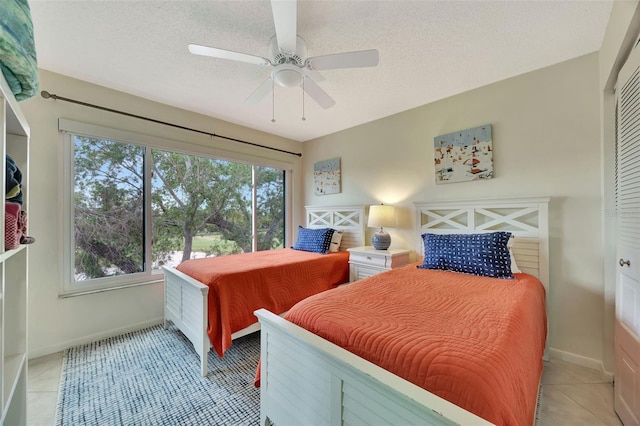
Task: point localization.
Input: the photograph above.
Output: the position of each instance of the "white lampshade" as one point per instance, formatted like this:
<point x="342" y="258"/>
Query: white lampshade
<point x="381" y="216"/>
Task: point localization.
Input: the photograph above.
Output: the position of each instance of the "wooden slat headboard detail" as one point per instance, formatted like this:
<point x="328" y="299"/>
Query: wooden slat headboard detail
<point x="349" y="219"/>
<point x="526" y="218"/>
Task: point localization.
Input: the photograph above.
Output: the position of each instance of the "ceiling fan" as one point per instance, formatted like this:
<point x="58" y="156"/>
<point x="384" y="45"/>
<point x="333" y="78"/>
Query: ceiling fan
<point x="289" y="66"/>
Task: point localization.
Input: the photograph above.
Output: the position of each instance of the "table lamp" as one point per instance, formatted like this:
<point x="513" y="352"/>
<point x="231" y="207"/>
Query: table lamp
<point x="381" y="216"/>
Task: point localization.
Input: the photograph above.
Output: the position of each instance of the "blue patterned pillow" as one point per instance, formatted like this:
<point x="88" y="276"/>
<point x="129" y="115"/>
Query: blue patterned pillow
<point x="479" y="254"/>
<point x="314" y="240"/>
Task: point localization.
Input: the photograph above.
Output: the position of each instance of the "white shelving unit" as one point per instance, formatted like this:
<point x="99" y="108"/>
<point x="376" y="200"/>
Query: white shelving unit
<point x="14" y="141"/>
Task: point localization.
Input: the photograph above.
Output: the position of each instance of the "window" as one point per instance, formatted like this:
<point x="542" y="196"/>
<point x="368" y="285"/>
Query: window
<point x="108" y="223"/>
<point x="135" y="207"/>
<point x="205" y="206"/>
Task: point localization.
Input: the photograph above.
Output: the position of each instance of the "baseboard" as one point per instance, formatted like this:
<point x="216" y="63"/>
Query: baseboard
<point x="583" y="361"/>
<point x="93" y="338"/>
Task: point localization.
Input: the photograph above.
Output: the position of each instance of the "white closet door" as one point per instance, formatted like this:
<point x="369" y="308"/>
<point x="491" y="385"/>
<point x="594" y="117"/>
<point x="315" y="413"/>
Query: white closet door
<point x="627" y="350"/>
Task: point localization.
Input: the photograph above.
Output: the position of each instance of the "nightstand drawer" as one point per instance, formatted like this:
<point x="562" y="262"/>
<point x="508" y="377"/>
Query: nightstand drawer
<point x="370" y="259"/>
<point x="366" y="261"/>
<point x="364" y="272"/>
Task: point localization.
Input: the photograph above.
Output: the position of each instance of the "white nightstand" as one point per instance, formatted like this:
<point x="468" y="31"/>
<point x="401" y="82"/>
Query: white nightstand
<point x="367" y="261"/>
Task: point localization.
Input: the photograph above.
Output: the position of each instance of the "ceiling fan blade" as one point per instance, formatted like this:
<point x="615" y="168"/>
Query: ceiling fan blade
<point x="315" y="75"/>
<point x="362" y="58"/>
<point x="261" y="92"/>
<point x="230" y="55"/>
<point x="285" y="17"/>
<point x="317" y="94"/>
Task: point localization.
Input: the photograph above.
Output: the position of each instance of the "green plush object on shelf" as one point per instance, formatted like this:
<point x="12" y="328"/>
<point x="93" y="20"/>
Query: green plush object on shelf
<point x="18" y="60"/>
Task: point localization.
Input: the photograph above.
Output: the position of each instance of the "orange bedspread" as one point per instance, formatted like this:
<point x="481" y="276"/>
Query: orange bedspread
<point x="474" y="341"/>
<point x="274" y="279"/>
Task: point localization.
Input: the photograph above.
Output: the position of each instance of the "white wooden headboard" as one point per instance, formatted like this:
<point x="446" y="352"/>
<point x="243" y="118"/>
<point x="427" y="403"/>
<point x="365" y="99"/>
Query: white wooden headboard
<point x="526" y="218"/>
<point x="349" y="219"/>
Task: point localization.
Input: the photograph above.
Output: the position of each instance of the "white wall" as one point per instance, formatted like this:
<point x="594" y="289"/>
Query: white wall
<point x="546" y="143"/>
<point x="56" y="323"/>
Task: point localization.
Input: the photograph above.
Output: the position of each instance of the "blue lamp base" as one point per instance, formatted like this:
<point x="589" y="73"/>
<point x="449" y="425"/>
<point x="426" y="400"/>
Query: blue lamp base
<point x="381" y="240"/>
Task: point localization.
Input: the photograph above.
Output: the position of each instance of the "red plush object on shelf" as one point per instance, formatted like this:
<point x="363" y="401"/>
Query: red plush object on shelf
<point x="12" y="226"/>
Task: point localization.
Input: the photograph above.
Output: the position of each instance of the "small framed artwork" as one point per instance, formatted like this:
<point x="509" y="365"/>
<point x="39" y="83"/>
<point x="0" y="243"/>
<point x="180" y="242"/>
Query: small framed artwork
<point x="464" y="155"/>
<point x="326" y="177"/>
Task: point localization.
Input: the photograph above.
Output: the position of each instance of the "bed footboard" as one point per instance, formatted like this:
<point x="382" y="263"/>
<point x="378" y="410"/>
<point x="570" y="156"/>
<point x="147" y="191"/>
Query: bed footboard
<point x="308" y="380"/>
<point x="185" y="304"/>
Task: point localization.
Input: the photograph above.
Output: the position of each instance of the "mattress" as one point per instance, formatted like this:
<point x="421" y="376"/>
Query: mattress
<point x="474" y="341"/>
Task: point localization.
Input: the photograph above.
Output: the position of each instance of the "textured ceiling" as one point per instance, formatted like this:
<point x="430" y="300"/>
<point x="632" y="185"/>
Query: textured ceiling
<point x="429" y="50"/>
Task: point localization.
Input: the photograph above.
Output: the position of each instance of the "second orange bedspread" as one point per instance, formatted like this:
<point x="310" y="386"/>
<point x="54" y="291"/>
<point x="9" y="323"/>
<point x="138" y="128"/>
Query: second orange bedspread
<point x="474" y="341"/>
<point x="272" y="279"/>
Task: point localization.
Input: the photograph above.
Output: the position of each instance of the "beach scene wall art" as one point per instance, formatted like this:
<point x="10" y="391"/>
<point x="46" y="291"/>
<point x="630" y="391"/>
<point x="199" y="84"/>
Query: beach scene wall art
<point x="464" y="155"/>
<point x="326" y="177"/>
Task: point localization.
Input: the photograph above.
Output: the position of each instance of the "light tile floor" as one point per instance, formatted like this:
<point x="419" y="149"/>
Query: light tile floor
<point x="571" y="395"/>
<point x="43" y="383"/>
<point x="574" y="395"/>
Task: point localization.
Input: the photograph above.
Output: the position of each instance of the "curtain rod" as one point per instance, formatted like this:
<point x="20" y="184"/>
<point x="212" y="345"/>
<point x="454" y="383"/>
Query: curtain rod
<point x="48" y="95"/>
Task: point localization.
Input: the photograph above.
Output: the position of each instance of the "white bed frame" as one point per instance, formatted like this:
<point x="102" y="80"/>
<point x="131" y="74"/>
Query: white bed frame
<point x="308" y="380"/>
<point x="185" y="298"/>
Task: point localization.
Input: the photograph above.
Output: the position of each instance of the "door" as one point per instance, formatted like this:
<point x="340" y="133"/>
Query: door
<point x="627" y="329"/>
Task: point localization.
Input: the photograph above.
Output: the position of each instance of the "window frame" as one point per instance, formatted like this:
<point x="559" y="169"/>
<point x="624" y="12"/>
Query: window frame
<point x="69" y="128"/>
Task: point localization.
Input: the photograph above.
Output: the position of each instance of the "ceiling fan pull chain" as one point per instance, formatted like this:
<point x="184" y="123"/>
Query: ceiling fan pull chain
<point x="273" y="102"/>
<point x="303" y="117"/>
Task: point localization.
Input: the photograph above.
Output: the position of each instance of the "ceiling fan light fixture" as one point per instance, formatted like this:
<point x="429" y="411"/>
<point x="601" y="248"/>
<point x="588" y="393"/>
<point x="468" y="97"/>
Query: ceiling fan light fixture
<point x="287" y="75"/>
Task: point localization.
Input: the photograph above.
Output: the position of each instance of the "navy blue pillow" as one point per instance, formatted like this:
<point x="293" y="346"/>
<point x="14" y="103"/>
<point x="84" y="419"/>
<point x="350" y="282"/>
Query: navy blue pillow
<point x="479" y="254"/>
<point x="314" y="240"/>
